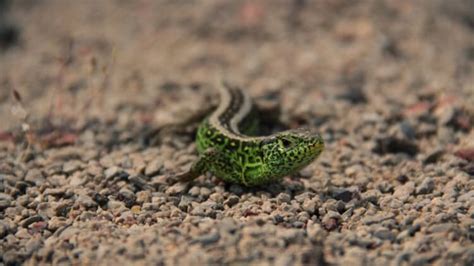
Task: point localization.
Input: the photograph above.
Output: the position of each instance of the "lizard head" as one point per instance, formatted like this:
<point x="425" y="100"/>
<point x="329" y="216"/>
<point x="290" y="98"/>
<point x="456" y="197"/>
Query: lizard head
<point x="291" y="150"/>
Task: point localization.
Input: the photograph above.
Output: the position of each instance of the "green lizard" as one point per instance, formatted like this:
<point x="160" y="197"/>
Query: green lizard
<point x="249" y="160"/>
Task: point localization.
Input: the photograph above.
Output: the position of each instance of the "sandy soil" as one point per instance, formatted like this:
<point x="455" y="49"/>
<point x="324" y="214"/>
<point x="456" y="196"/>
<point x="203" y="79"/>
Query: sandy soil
<point x="87" y="87"/>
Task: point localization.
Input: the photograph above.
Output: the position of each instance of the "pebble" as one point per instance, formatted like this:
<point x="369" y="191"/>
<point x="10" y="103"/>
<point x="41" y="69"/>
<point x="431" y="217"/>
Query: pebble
<point x="184" y="203"/>
<point x="384" y="234"/>
<point x="194" y="191"/>
<point x="177" y="188"/>
<point x="433" y="156"/>
<point x="143" y="196"/>
<point x="205" y="209"/>
<point x="154" y="167"/>
<point x="127" y="196"/>
<point x="32" y="219"/>
<point x="231" y="200"/>
<point x="77" y="180"/>
<point x="309" y="206"/>
<point x="426" y="186"/>
<point x="344" y="195"/>
<point x="442" y="228"/>
<point x="283" y="197"/>
<point x="377" y="218"/>
<point x="71" y="166"/>
<point x="111" y="172"/>
<point x="5" y="201"/>
<point x="55" y="191"/>
<point x="116" y="206"/>
<point x="35" y="176"/>
<point x="86" y="201"/>
<point x="207" y="238"/>
<point x="405" y="191"/>
<point x="56" y="222"/>
<point x="3" y="229"/>
<point x="205" y="192"/>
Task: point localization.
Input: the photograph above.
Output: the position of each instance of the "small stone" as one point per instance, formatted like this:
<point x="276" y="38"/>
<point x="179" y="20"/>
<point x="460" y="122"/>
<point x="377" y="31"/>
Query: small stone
<point x="56" y="222"/>
<point x="177" y="188"/>
<point x="315" y="231"/>
<point x="71" y="166"/>
<point x="309" y="206"/>
<point x="184" y="203"/>
<point x="433" y="156"/>
<point x="54" y="169"/>
<point x="77" y="179"/>
<point x="377" y="218"/>
<point x="194" y="191"/>
<point x="404" y="192"/>
<point x="143" y="196"/>
<point x="446" y="114"/>
<point x="153" y="206"/>
<point x="100" y="199"/>
<point x="231" y="200"/>
<point x="205" y="209"/>
<point x="127" y="196"/>
<point x="402" y="179"/>
<point x="63" y="209"/>
<point x="32" y="245"/>
<point x="86" y="201"/>
<point x="140" y="182"/>
<point x="55" y="191"/>
<point x="330" y="220"/>
<point x="355" y="256"/>
<point x="111" y="172"/>
<point x="353" y="170"/>
<point x="405" y="234"/>
<point x="93" y="169"/>
<point x="159" y="180"/>
<point x="384" y="234"/>
<point x="204" y="191"/>
<point x="3" y="229"/>
<point x="442" y="228"/>
<point x="407" y="130"/>
<point x="32" y="219"/>
<point x="5" y="201"/>
<point x="466" y="154"/>
<point x="217" y="197"/>
<point x="344" y="195"/>
<point x="154" y="167"/>
<point x="306" y="172"/>
<point x="330" y="224"/>
<point x="385" y="187"/>
<point x="396" y="145"/>
<point x="22" y="233"/>
<point x="424" y="258"/>
<point x="136" y="209"/>
<point x="12" y="257"/>
<point x="283" y="197"/>
<point x="35" y="176"/>
<point x="426" y="186"/>
<point x="228" y="226"/>
<point x="207" y="238"/>
<point x="115" y="205"/>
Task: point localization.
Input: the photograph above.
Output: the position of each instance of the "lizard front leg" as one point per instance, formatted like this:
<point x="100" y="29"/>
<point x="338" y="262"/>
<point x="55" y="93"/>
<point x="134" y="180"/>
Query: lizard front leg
<point x="200" y="166"/>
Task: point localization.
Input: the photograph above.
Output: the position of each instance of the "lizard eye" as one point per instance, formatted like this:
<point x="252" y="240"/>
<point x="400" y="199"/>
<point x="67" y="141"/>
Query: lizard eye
<point x="286" y="143"/>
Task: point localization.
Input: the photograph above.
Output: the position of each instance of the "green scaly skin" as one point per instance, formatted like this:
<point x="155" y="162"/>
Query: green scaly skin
<point x="251" y="161"/>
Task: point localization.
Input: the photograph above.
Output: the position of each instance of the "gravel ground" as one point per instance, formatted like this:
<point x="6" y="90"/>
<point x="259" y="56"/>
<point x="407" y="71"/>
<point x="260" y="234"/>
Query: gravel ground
<point x="96" y="99"/>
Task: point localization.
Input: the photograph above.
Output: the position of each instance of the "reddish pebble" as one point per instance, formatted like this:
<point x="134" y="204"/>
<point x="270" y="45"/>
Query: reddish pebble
<point x="466" y="154"/>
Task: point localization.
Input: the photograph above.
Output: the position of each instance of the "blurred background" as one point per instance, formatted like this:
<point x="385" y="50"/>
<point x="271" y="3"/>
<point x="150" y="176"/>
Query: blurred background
<point x="92" y="57"/>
